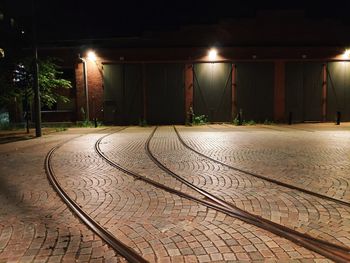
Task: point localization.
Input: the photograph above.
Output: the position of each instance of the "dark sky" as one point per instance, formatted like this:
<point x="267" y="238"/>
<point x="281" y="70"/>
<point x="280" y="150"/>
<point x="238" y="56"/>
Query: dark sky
<point x="74" y="19"/>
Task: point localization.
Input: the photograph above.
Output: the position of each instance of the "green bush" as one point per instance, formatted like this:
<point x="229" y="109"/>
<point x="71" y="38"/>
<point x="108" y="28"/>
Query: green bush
<point x="143" y="123"/>
<point x="88" y="124"/>
<point x="251" y="122"/>
<point x="235" y="121"/>
<point x="267" y="122"/>
<point x="200" y="120"/>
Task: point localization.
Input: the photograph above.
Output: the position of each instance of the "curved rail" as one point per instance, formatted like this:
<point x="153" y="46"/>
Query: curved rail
<point x="329" y="250"/>
<point x="127" y="252"/>
<point x="290" y="186"/>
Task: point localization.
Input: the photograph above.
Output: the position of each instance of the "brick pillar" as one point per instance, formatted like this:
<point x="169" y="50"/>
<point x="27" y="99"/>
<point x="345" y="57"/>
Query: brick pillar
<point x="234" y="111"/>
<point x="95" y="87"/>
<point x="279" y="91"/>
<point x="324" y="92"/>
<point x="188" y="89"/>
<point x="80" y="93"/>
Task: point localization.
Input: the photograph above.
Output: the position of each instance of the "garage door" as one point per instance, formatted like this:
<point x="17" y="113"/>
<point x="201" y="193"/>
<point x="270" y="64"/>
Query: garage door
<point x="304" y="91"/>
<point x="338" y="90"/>
<point x="123" y="94"/>
<point x="212" y="91"/>
<point x="165" y="97"/>
<point x="255" y="84"/>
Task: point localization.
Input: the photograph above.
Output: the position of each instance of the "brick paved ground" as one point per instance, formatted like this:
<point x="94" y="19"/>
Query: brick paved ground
<point x="314" y="216"/>
<point x="162" y="227"/>
<point x="35" y="225"/>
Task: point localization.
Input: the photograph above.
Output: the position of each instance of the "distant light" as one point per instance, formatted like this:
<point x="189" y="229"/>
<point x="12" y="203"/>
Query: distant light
<point x="22" y="31"/>
<point x="347" y="53"/>
<point x="91" y="55"/>
<point x="2" y="53"/>
<point x="212" y="54"/>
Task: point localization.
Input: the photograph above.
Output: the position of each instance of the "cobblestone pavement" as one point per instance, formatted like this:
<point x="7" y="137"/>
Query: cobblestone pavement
<point x="133" y="140"/>
<point x="35" y="225"/>
<point x="305" y="213"/>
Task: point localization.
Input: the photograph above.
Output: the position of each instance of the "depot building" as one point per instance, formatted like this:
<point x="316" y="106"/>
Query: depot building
<point x="276" y="67"/>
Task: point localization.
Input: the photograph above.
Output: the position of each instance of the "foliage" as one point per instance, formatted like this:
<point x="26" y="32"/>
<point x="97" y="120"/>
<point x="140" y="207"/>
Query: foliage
<point x="251" y="122"/>
<point x="16" y="81"/>
<point x="88" y="124"/>
<point x="59" y="129"/>
<point x="50" y="82"/>
<point x="235" y="121"/>
<point x="143" y="122"/>
<point x="244" y="122"/>
<point x="200" y="120"/>
<point x="267" y="122"/>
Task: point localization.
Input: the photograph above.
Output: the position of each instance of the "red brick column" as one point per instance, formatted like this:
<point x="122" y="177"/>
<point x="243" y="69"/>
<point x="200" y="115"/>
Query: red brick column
<point x="80" y="93"/>
<point x="95" y="87"/>
<point x="279" y="91"/>
<point x="188" y="88"/>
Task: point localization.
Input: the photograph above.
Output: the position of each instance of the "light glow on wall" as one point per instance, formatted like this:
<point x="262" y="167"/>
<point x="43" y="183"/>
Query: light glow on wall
<point x="91" y="55"/>
<point x="346" y="54"/>
<point x="212" y="54"/>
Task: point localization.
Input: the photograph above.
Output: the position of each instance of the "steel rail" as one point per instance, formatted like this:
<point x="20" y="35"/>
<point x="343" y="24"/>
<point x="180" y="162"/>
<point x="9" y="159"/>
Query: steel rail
<point x="122" y="249"/>
<point x="290" y="186"/>
<point x="332" y="251"/>
<point x="329" y="250"/>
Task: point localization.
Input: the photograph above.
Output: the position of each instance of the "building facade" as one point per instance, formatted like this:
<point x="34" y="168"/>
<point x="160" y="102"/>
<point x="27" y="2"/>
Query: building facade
<point x="276" y="67"/>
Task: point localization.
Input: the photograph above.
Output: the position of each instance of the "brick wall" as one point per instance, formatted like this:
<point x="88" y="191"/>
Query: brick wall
<point x="95" y="87"/>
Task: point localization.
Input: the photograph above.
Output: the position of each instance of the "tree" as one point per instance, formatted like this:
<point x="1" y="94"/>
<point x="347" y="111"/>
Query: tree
<point x="16" y="82"/>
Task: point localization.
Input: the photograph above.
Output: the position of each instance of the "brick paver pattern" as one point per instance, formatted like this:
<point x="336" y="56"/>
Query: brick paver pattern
<point x="35" y="225"/>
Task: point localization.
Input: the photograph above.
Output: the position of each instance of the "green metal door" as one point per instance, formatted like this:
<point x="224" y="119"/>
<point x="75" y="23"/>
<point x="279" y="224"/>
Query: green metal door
<point x="255" y="87"/>
<point x="304" y="90"/>
<point x="122" y="93"/>
<point x="164" y="84"/>
<point x="212" y="91"/>
<point x="338" y="90"/>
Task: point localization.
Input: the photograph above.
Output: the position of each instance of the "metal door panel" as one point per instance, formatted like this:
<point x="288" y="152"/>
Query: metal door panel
<point x="165" y="93"/>
<point x="212" y="91"/>
<point x="255" y="87"/>
<point x="338" y="90"/>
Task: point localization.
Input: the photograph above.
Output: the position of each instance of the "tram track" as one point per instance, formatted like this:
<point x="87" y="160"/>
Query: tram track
<point x="267" y="179"/>
<point x="332" y="251"/>
<point x="122" y="249"/>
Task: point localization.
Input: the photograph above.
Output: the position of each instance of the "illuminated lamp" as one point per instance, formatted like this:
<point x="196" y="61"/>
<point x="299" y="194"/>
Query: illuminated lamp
<point x="212" y="54"/>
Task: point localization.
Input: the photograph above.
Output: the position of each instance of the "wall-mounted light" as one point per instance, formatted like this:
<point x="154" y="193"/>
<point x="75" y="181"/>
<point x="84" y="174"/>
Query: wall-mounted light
<point x="346" y="54"/>
<point x="91" y="55"/>
<point x="212" y="54"/>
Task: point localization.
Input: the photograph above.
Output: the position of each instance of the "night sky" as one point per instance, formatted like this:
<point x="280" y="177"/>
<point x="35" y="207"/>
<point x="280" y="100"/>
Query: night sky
<point x="78" y="19"/>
